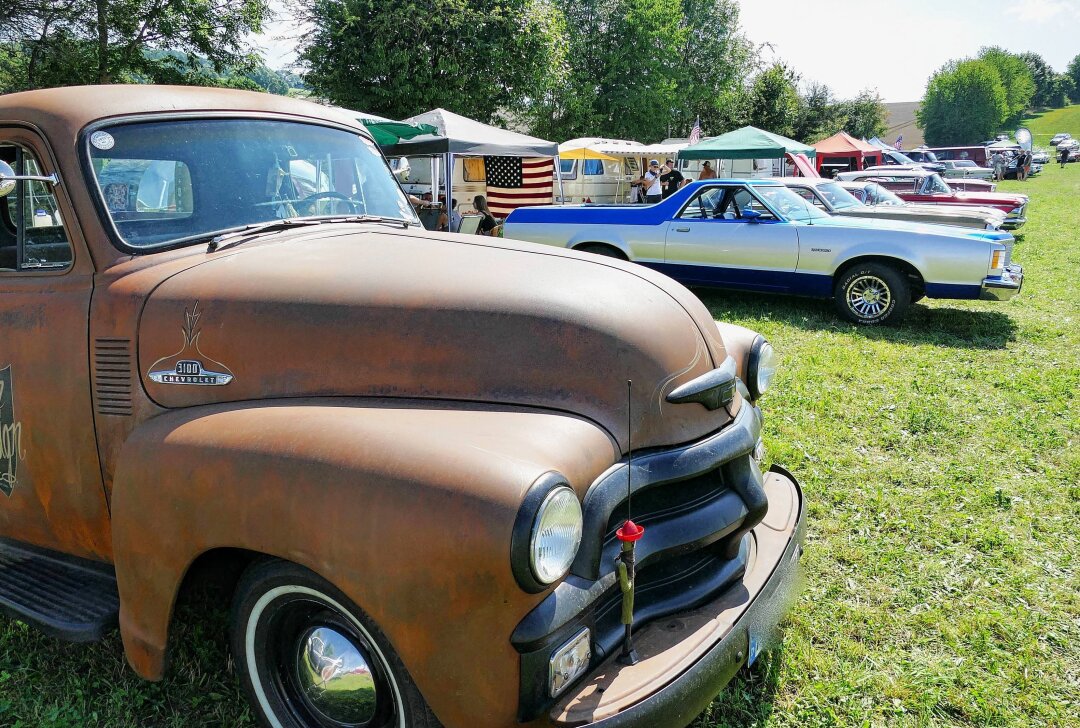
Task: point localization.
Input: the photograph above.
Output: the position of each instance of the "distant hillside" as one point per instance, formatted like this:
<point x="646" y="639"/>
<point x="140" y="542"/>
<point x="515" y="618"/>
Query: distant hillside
<point x="1048" y="123"/>
<point x="901" y="120"/>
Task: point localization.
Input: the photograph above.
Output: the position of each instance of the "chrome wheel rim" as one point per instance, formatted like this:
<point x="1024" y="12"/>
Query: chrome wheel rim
<point x="334" y="676"/>
<point x="868" y="296"/>
<point x="311" y="663"/>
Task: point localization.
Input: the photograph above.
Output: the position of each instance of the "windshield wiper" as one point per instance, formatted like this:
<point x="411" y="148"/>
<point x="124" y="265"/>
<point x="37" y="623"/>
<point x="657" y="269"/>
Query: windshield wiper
<point x="290" y="222"/>
<point x="256" y="228"/>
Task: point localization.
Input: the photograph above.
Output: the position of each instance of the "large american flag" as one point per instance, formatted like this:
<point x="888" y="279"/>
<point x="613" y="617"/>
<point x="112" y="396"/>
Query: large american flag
<point x="695" y="133"/>
<point x="514" y="182"/>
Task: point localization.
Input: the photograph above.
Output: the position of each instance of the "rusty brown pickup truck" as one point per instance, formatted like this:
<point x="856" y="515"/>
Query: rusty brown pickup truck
<point x="226" y="340"/>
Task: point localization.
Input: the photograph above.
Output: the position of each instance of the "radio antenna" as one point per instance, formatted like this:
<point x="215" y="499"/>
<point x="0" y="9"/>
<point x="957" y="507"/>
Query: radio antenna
<point x="629" y="445"/>
<point x="628" y="536"/>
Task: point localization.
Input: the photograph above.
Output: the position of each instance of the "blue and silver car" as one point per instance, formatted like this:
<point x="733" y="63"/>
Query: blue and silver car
<point x="758" y="235"/>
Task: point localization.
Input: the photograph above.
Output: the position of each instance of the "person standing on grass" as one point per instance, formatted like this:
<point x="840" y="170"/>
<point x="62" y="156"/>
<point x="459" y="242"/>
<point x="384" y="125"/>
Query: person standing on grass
<point x="707" y="171"/>
<point x="998" y="163"/>
<point x="653" y="191"/>
<point x="1064" y="156"/>
<point x="672" y="179"/>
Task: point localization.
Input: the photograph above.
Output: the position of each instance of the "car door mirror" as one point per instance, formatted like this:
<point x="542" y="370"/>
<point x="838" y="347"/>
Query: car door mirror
<point x="750" y="215"/>
<point x="8" y="178"/>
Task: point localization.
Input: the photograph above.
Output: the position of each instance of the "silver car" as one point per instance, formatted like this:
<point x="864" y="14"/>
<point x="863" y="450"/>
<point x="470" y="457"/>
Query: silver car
<point x="965" y="169"/>
<point x="758" y="235"/>
<point x="871" y="200"/>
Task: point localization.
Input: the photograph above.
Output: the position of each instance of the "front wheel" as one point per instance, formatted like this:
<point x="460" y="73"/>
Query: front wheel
<point x="872" y="293"/>
<point x="309" y="658"/>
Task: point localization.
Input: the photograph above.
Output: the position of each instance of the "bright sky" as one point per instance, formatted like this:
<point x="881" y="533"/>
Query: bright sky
<point x="890" y="45"/>
<point x="894" y="46"/>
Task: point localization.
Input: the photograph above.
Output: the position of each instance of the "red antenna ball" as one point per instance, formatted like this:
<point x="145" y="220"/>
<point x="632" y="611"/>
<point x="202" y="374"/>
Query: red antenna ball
<point x="630" y="532"/>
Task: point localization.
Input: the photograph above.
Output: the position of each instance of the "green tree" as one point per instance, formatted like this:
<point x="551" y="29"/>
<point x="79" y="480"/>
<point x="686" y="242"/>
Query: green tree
<point x="774" y="100"/>
<point x="817" y="117"/>
<point x="1063" y="90"/>
<point x="402" y="57"/>
<point x="1073" y="72"/>
<point x="1016" y="79"/>
<point x="714" y="59"/>
<point x="1042" y="75"/>
<point x="863" y="116"/>
<point x="964" y="102"/>
<point x="66" y="42"/>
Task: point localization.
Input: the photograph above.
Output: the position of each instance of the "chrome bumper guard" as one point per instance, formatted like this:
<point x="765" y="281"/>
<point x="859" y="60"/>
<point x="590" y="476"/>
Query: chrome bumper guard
<point x="1005" y="287"/>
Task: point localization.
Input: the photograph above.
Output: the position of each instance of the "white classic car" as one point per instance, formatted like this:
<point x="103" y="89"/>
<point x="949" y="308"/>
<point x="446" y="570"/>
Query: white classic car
<point x="759" y="235"/>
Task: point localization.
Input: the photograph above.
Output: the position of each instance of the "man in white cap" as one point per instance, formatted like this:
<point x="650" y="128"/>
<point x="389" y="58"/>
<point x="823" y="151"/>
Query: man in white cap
<point x="653" y="191"/>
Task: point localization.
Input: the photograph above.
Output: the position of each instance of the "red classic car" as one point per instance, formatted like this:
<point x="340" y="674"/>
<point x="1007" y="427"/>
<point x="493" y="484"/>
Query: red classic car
<point x="914" y="185"/>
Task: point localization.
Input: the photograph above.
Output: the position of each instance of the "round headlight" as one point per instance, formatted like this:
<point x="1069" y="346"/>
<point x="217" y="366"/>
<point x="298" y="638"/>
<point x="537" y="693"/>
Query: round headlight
<point x="762" y="367"/>
<point x="556" y="535"/>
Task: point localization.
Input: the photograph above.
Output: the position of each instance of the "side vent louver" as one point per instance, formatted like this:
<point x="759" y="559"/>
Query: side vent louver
<point x="112" y="380"/>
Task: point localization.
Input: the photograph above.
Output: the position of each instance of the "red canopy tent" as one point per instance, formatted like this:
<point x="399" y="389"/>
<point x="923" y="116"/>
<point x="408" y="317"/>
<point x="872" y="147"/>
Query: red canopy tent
<point x="843" y="152"/>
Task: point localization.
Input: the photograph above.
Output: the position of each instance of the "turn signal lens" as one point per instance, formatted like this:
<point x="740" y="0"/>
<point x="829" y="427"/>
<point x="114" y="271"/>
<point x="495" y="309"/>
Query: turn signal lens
<point x="997" y="259"/>
<point x="569" y="662"/>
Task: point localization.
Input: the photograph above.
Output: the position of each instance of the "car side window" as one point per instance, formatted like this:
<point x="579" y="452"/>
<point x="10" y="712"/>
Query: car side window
<point x="32" y="235"/>
<point x="746" y="201"/>
<point x="708" y="204"/>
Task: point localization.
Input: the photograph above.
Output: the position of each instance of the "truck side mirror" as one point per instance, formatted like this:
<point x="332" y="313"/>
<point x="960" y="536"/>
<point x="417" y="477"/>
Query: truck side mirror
<point x="8" y="178"/>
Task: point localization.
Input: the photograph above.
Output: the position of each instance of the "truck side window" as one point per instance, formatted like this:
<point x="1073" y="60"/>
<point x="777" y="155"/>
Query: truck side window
<point x="32" y="235"/>
<point x="705" y="205"/>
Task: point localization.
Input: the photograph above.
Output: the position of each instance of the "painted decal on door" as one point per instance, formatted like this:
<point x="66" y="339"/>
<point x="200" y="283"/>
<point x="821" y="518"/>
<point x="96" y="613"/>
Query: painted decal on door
<point x="11" y="452"/>
<point x="190" y="365"/>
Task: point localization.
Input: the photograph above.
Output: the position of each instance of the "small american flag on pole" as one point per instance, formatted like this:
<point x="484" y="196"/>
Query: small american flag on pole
<point x="514" y="182"/>
<point x="899" y="142"/>
<point x="695" y="133"/>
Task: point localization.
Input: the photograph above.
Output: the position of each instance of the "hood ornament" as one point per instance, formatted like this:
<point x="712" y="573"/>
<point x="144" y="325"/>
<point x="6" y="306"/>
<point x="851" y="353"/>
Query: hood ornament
<point x="190" y="365"/>
<point x="628" y="534"/>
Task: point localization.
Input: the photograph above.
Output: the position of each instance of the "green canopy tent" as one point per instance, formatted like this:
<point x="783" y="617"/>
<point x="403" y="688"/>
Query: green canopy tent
<point x="746" y="143"/>
<point x="387" y="132"/>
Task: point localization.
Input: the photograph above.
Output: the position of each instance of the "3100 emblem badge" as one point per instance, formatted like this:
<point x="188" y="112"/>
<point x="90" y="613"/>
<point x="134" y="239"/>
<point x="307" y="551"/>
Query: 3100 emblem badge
<point x="10" y="435"/>
<point x="190" y="365"/>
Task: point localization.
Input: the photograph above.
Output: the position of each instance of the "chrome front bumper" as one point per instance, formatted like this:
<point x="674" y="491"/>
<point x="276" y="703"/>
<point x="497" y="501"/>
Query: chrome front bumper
<point x="687" y="658"/>
<point x="1005" y="287"/>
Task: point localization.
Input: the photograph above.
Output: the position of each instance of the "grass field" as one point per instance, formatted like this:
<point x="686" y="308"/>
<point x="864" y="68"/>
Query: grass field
<point x="941" y="464"/>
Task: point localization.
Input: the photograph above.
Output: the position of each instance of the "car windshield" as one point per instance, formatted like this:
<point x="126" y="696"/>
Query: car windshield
<point x="964" y="163"/>
<point x="933" y="185"/>
<point x="837" y="196"/>
<point x="929" y="156"/>
<point x="788" y="204"/>
<point x="881" y="196"/>
<point x="169" y="182"/>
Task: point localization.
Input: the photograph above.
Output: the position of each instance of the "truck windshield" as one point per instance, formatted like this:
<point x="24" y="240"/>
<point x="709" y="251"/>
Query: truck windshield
<point x="168" y="182"/>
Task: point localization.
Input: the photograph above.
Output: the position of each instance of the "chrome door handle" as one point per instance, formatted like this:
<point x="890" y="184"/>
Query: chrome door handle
<point x="682" y="229"/>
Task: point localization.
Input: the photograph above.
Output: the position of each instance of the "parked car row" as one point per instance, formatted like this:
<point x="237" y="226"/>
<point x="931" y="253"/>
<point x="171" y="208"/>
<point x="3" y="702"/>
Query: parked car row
<point x="760" y="235"/>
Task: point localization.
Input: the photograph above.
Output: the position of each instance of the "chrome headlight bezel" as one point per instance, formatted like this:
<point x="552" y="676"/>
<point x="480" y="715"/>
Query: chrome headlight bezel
<point x="760" y="367"/>
<point x="549" y="491"/>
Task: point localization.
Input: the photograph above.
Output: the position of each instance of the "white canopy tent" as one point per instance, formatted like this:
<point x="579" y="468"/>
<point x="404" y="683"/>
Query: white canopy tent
<point x="461" y="136"/>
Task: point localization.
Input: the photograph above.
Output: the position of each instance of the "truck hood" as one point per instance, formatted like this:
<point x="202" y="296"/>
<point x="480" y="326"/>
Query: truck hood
<point x="358" y="310"/>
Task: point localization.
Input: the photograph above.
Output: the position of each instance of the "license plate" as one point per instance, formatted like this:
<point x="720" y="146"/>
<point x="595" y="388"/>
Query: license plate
<point x="756" y="643"/>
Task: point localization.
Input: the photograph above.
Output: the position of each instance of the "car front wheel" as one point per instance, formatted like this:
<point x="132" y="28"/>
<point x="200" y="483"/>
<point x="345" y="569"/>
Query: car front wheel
<point x="872" y="293"/>
<point x="309" y="658"/>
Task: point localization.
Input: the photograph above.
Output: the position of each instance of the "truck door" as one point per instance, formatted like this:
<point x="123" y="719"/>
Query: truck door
<point x="51" y="492"/>
<point x="710" y="242"/>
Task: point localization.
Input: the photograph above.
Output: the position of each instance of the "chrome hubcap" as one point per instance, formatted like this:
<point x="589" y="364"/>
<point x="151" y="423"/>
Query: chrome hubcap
<point x="334" y="676"/>
<point x="868" y="296"/>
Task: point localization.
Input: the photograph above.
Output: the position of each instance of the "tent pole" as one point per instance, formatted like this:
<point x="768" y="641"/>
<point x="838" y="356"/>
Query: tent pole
<point x="449" y="187"/>
<point x="558" y="176"/>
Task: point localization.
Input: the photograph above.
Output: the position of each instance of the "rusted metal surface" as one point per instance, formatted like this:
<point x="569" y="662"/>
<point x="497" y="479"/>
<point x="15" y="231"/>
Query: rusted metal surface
<point x="407" y="509"/>
<point x="393" y="395"/>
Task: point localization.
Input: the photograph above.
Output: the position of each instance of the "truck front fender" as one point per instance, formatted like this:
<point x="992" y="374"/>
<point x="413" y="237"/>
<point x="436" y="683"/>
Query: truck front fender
<point x="407" y="507"/>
